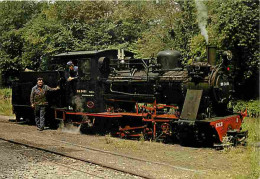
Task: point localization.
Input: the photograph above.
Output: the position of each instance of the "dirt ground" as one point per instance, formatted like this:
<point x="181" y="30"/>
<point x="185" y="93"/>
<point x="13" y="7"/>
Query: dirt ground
<point x="177" y="161"/>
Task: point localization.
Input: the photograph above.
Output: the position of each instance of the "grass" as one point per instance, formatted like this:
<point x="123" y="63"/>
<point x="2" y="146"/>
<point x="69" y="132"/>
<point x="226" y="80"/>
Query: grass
<point x="121" y="143"/>
<point x="248" y="157"/>
<point x="253" y="151"/>
<point x="252" y="125"/>
<point x="5" y="102"/>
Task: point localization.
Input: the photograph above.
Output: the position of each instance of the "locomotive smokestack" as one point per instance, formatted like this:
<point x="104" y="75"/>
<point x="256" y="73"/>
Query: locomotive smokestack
<point x="212" y="54"/>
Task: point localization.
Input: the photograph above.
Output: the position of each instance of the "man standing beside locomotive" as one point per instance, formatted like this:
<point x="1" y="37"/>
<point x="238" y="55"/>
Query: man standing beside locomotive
<point x="39" y="102"/>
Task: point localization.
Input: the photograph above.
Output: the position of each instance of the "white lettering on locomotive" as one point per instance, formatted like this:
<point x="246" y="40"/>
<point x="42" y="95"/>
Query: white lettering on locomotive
<point x="81" y="91"/>
<point x="224" y="83"/>
<point x="88" y="95"/>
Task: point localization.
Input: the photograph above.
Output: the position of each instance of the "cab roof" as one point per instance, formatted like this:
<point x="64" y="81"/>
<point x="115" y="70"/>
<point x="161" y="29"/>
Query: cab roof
<point x="80" y="54"/>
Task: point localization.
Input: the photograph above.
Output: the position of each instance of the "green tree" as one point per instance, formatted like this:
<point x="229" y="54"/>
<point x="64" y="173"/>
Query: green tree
<point x="172" y="24"/>
<point x="235" y="26"/>
<point x="13" y="16"/>
<point x="31" y="32"/>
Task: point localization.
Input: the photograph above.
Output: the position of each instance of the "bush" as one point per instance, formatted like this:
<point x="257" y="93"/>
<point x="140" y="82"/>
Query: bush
<point x="252" y="106"/>
<point x="5" y="101"/>
<point x="5" y="93"/>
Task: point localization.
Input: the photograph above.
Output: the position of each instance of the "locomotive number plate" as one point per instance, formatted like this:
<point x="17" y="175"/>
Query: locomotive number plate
<point x="224" y="84"/>
<point x="220" y="124"/>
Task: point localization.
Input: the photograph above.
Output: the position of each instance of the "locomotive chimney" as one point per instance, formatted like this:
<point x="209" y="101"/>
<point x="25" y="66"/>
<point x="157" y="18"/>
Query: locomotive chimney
<point x="212" y="54"/>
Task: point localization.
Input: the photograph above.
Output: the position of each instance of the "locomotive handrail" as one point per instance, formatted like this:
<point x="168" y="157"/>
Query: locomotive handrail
<point x="131" y="94"/>
<point x="159" y="106"/>
<point x="22" y="105"/>
<point x="133" y="72"/>
<point x="163" y="70"/>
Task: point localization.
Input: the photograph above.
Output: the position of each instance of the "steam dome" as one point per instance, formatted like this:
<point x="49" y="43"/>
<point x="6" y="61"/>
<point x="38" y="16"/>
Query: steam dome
<point x="169" y="59"/>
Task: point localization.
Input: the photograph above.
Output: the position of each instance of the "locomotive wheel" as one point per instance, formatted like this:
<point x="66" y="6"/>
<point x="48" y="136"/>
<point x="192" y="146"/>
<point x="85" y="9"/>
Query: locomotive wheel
<point x="167" y="140"/>
<point x="145" y="133"/>
<point x="86" y="129"/>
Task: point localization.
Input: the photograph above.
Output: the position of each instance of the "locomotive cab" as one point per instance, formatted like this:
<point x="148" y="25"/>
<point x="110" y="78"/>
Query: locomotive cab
<point x="86" y="94"/>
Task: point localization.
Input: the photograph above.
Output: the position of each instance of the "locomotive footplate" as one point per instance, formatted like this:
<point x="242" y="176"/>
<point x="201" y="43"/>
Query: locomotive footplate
<point x="64" y="112"/>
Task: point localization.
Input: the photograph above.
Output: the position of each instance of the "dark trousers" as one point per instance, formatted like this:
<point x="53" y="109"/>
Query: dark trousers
<point x="39" y="114"/>
<point x="71" y="91"/>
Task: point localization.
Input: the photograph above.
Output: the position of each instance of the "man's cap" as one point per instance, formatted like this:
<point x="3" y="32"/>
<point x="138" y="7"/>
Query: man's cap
<point x="70" y="63"/>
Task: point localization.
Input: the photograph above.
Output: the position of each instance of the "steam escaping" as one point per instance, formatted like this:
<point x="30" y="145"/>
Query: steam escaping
<point x="77" y="102"/>
<point x="69" y="128"/>
<point x="202" y="16"/>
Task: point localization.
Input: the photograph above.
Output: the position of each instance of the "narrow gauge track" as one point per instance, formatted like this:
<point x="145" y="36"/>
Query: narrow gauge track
<point x="66" y="156"/>
<point x="106" y="152"/>
<point x="127" y="156"/>
<point x="46" y="158"/>
<point x="109" y="166"/>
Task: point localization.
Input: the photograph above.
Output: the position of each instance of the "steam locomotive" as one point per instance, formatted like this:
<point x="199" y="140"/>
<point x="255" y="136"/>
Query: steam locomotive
<point x="157" y="99"/>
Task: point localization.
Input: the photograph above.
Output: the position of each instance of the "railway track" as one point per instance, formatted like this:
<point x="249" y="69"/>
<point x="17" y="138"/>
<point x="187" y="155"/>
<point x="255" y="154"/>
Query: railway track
<point x="69" y="167"/>
<point x="48" y="158"/>
<point x="75" y="158"/>
<point x="134" y="166"/>
<point x="106" y="152"/>
<point x="127" y="156"/>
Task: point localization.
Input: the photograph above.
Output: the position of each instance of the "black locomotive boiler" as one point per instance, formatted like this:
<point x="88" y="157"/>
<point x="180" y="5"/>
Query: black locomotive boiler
<point x="157" y="98"/>
<point x="186" y="102"/>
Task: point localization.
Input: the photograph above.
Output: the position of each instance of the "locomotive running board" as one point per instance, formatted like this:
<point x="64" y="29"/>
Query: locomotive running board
<point x="191" y="105"/>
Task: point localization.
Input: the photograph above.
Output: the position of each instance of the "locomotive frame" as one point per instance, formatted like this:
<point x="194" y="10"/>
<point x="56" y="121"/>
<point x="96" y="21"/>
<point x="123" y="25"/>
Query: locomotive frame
<point x="130" y="98"/>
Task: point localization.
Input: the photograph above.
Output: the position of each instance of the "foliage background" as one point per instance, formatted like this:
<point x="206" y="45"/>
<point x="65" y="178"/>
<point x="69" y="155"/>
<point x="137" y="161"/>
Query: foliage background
<point x="31" y="32"/>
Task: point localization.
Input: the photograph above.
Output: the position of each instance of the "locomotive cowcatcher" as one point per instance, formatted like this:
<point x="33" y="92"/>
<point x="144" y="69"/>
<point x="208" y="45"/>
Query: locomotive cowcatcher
<point x="155" y="98"/>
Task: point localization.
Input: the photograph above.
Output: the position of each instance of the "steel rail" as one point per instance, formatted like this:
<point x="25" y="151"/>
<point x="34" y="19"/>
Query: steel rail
<point x="72" y="168"/>
<point x="124" y="156"/>
<point x="77" y="158"/>
<point x="111" y="153"/>
<point x="57" y="163"/>
<point x="127" y="156"/>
